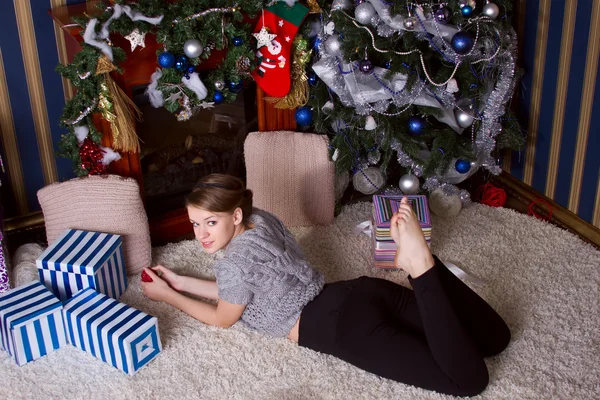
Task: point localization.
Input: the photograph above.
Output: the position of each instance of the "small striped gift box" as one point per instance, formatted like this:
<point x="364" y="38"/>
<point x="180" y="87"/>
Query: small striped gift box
<point x="31" y="321"/>
<point x="111" y="331"/>
<point x="80" y="259"/>
<point x="384" y="207"/>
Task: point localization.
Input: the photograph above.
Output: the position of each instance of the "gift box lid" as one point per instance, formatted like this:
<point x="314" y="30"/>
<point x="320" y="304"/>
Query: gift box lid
<point x="26" y="303"/>
<point x="384" y="207"/>
<point x="79" y="252"/>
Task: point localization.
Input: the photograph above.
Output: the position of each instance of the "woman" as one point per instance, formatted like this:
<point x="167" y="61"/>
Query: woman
<point x="434" y="336"/>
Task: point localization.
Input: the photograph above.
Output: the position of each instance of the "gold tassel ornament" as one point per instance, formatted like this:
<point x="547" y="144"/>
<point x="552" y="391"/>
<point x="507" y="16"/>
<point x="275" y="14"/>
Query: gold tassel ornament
<point x="314" y="7"/>
<point x="118" y="109"/>
<point x="298" y="95"/>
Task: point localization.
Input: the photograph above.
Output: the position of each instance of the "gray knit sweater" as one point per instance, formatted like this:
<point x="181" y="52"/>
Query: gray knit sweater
<point x="265" y="269"/>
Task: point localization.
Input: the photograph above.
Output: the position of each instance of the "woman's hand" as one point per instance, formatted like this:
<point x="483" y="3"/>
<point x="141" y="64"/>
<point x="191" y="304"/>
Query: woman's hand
<point x="158" y="289"/>
<point x="174" y="280"/>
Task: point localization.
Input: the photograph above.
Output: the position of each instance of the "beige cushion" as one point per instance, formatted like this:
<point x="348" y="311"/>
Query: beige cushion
<point x="110" y="204"/>
<point x="291" y="176"/>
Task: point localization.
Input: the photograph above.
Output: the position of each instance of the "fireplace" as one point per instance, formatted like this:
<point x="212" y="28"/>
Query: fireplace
<point x="176" y="154"/>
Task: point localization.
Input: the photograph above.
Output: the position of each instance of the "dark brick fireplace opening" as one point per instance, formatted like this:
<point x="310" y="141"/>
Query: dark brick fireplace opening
<point x="176" y="154"/>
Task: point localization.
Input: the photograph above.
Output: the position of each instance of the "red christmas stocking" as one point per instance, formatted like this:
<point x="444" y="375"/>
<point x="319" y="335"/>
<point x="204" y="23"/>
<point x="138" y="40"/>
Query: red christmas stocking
<point x="274" y="33"/>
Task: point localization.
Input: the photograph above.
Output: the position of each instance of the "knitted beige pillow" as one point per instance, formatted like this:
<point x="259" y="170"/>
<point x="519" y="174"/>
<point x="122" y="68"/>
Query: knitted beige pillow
<point x="291" y="176"/>
<point x="110" y="204"/>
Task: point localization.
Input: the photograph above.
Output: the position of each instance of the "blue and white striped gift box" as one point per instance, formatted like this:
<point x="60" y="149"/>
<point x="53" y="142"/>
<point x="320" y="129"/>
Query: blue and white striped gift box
<point x="111" y="331"/>
<point x="31" y="321"/>
<point x="80" y="259"/>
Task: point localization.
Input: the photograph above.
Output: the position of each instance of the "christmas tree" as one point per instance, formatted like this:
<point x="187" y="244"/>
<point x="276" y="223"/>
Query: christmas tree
<point x="424" y="86"/>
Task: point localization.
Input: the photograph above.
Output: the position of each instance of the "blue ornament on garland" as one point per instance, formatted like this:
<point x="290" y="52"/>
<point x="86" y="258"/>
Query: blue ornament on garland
<point x="462" y="166"/>
<point x="462" y="42"/>
<point x="181" y="63"/>
<point x="312" y="79"/>
<point x="235" y="87"/>
<point x="388" y="65"/>
<point x="317" y="44"/>
<point x="416" y="126"/>
<point x="466" y="11"/>
<point x="237" y="41"/>
<point x="304" y="116"/>
<point x="166" y="59"/>
<point x="219" y="97"/>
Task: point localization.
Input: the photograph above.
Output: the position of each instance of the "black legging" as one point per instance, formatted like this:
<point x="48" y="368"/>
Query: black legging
<point x="434" y="336"/>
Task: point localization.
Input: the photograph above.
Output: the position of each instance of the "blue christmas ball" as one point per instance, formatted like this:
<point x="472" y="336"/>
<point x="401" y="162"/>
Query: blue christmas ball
<point x="462" y="42"/>
<point x="219" y="97"/>
<point x="466" y="11"/>
<point x="312" y="79"/>
<point x="388" y="64"/>
<point x="181" y="63"/>
<point x="416" y="125"/>
<point x="304" y="116"/>
<point x="235" y="87"/>
<point x="237" y="41"/>
<point x="462" y="166"/>
<point x="317" y="44"/>
<point x="191" y="69"/>
<point x="166" y="59"/>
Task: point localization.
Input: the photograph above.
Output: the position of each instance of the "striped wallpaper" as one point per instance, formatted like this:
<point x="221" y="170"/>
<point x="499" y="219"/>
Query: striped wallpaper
<point x="32" y="97"/>
<point x="559" y="101"/>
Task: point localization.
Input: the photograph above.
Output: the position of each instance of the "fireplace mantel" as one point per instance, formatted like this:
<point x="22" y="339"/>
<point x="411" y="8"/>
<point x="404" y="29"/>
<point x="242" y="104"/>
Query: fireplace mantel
<point x="137" y="69"/>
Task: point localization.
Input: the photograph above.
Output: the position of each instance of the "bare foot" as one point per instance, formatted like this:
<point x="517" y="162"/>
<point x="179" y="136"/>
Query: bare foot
<point x="413" y="254"/>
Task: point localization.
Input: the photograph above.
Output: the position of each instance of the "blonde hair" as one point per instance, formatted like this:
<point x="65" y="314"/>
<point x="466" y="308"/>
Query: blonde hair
<point x="221" y="193"/>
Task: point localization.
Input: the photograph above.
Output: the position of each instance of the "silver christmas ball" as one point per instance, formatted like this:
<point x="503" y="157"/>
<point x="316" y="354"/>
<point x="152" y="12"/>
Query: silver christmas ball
<point x="192" y="48"/>
<point x="341" y="4"/>
<point x="368" y="181"/>
<point x="410" y="23"/>
<point x="462" y="3"/>
<point x="219" y="85"/>
<point x="444" y="205"/>
<point x="491" y="10"/>
<point x="463" y="119"/>
<point x="333" y="46"/>
<point x="364" y="13"/>
<point x="409" y="184"/>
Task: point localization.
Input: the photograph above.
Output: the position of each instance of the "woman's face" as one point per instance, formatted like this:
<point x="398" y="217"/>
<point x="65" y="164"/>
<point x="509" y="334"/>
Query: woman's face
<point x="214" y="230"/>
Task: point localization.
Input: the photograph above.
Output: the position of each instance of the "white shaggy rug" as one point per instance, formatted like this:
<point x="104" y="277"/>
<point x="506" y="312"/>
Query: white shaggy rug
<point x="542" y="280"/>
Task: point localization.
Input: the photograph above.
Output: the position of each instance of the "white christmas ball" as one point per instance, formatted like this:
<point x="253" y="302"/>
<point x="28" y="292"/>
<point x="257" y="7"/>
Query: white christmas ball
<point x="463" y="119"/>
<point x="364" y="13"/>
<point x="409" y="184"/>
<point x="444" y="205"/>
<point x="192" y="48"/>
<point x="333" y="46"/>
<point x="491" y="10"/>
<point x="368" y="181"/>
